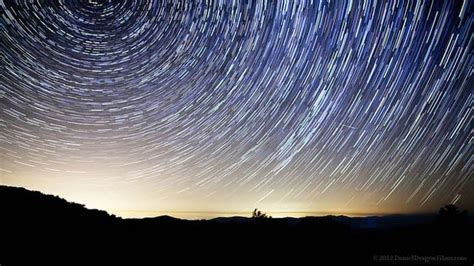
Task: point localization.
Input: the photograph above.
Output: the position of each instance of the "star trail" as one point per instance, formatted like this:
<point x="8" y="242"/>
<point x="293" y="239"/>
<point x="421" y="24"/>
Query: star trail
<point x="289" y="106"/>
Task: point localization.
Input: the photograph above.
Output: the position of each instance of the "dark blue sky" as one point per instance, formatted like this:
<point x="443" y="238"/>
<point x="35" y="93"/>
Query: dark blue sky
<point x="295" y="106"/>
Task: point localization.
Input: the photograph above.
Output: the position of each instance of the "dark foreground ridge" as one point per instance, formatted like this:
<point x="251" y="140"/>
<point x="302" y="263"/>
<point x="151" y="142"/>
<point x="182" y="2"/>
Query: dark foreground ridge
<point x="45" y="227"/>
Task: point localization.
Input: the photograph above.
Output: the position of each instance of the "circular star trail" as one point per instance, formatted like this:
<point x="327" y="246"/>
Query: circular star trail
<point x="226" y="105"/>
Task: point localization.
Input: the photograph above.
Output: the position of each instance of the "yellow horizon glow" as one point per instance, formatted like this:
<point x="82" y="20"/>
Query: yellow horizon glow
<point x="127" y="202"/>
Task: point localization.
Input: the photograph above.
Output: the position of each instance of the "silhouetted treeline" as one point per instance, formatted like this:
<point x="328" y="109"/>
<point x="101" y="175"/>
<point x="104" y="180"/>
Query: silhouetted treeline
<point x="43" y="226"/>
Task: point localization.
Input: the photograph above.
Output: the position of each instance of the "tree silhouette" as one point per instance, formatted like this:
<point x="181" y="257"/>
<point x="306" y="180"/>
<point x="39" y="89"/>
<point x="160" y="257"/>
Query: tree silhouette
<point x="257" y="214"/>
<point x="450" y="214"/>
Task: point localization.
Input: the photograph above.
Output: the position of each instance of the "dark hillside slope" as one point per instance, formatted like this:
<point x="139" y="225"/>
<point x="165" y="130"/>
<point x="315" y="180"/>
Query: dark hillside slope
<point x="41" y="226"/>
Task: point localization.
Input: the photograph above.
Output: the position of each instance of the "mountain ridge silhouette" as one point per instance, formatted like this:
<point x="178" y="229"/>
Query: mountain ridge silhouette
<point x="34" y="223"/>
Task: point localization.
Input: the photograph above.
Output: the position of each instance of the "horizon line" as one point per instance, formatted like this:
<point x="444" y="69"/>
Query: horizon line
<point x="216" y="214"/>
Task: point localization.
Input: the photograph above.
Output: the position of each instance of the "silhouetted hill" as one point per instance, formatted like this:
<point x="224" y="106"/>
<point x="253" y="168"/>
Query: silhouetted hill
<point x="26" y="204"/>
<point x="36" y="225"/>
<point x="388" y="221"/>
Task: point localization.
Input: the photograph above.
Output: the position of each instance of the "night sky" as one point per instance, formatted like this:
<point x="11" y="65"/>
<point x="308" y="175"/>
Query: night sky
<point x="340" y="107"/>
